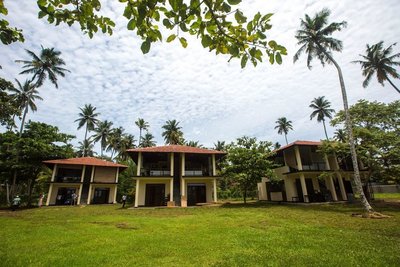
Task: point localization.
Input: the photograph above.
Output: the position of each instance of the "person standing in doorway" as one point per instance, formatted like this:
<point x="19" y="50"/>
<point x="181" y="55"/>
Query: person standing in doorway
<point x="15" y="203"/>
<point x="123" y="201"/>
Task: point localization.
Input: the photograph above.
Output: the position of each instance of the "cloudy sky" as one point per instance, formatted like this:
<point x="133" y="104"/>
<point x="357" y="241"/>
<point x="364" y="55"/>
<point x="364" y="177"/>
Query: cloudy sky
<point x="212" y="99"/>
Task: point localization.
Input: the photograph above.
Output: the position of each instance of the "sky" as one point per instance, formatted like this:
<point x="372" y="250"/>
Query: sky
<point x="213" y="99"/>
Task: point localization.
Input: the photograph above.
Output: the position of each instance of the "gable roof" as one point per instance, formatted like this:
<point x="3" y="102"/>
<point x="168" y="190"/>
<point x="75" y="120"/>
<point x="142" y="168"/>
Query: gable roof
<point x="89" y="161"/>
<point x="176" y="149"/>
<point x="299" y="143"/>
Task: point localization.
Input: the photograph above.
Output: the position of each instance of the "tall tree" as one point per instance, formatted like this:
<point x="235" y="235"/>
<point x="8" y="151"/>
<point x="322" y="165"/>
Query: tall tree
<point x="340" y="135"/>
<point x="87" y="117"/>
<point x="114" y="141"/>
<point x="9" y="106"/>
<point x="194" y="144"/>
<point x="148" y="140"/>
<point x="143" y="125"/>
<point x="85" y="148"/>
<point x="284" y="126"/>
<point x="127" y="141"/>
<point x="379" y="60"/>
<point x="220" y="145"/>
<point x="172" y="133"/>
<point x="102" y="133"/>
<point x="314" y="38"/>
<point x="322" y="110"/>
<point x="47" y="64"/>
<point x="25" y="96"/>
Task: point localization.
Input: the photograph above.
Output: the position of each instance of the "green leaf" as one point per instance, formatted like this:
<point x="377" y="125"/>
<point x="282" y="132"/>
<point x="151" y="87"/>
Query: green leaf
<point x="227" y="8"/>
<point x="206" y="41"/>
<point x="171" y="38"/>
<point x="234" y="50"/>
<point x="132" y="24"/>
<point x="243" y="62"/>
<point x="167" y="23"/>
<point x="41" y="14"/>
<point x="145" y="47"/>
<point x="272" y="44"/>
<point x="271" y="58"/>
<point x="239" y="17"/>
<point x="183" y="42"/>
<point x="234" y="2"/>
<point x="41" y="2"/>
<point x="278" y="58"/>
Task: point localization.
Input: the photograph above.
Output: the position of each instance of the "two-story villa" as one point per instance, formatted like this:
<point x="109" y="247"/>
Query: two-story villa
<point x="175" y="175"/>
<point x="93" y="180"/>
<point x="306" y="175"/>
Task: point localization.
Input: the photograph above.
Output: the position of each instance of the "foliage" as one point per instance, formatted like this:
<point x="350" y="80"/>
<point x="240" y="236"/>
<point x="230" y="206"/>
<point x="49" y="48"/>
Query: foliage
<point x="47" y="64"/>
<point x="247" y="162"/>
<point x="35" y="145"/>
<point x="148" y="140"/>
<point x="283" y="126"/>
<point x="172" y="133"/>
<point x="126" y="183"/>
<point x="379" y="60"/>
<point x="9" y="106"/>
<point x="87" y="117"/>
<point x="142" y="125"/>
<point x="8" y="34"/>
<point x="322" y="110"/>
<point x="220" y="145"/>
<point x="221" y="26"/>
<point x="102" y="133"/>
<point x="376" y="128"/>
<point x="194" y="144"/>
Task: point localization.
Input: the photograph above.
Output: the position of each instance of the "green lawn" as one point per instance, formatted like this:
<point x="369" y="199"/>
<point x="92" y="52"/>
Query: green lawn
<point x="232" y="235"/>
<point x="387" y="195"/>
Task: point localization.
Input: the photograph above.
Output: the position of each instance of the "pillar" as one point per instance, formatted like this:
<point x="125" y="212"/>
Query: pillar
<point x="171" y="167"/>
<point x="298" y="158"/>
<point x="92" y="176"/>
<point x="183" y="164"/>
<point x="332" y="187"/>
<point x="79" y="194"/>
<point x="341" y="186"/>
<point x="214" y="165"/>
<point x="53" y="175"/>
<point x="115" y="193"/>
<point x="49" y="194"/>
<point x="116" y="175"/>
<point x="215" y="189"/>
<point x="304" y="187"/>
<point x="171" y="189"/>
<point x="139" y="164"/>
<point x="137" y="193"/>
<point x="182" y="187"/>
<point x="89" y="194"/>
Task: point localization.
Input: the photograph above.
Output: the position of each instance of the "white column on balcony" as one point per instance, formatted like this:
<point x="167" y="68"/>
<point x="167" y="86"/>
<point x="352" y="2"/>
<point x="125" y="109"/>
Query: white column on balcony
<point x="53" y="175"/>
<point x="215" y="189"/>
<point x="171" y="189"/>
<point x="298" y="158"/>
<point x="214" y="165"/>
<point x="137" y="193"/>
<point x="92" y="176"/>
<point x="171" y="167"/>
<point x="139" y="164"/>
<point x="183" y="164"/>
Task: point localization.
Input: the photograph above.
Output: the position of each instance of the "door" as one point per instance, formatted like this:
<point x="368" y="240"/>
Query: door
<point x="196" y="193"/>
<point x="101" y="195"/>
<point x="299" y="191"/>
<point x="64" y="196"/>
<point x="155" y="195"/>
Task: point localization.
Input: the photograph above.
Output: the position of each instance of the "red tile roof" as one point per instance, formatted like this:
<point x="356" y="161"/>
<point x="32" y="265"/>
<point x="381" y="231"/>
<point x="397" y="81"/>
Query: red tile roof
<point x="90" y="161"/>
<point x="300" y="143"/>
<point x="176" y="149"/>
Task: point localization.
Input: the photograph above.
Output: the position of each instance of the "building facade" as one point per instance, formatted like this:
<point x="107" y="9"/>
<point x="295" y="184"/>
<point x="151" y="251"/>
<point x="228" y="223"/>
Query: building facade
<point x="175" y="175"/>
<point x="306" y="175"/>
<point x="91" y="180"/>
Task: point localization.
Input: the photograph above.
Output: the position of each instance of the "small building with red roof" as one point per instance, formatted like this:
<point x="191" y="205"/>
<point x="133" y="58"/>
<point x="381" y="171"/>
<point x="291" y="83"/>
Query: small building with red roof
<point x="307" y="175"/>
<point x="175" y="175"/>
<point x="85" y="180"/>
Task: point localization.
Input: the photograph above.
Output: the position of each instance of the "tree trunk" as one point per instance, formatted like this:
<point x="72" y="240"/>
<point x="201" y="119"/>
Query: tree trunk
<point x="326" y="134"/>
<point x="397" y="89"/>
<point x="349" y="128"/>
<point x="244" y="195"/>
<point x="85" y="141"/>
<point x="286" y="140"/>
<point x="140" y="137"/>
<point x="23" y="119"/>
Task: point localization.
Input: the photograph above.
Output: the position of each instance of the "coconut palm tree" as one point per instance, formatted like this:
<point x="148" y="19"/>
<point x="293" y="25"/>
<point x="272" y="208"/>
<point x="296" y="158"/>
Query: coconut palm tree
<point x="379" y="60"/>
<point x="220" y="145"/>
<point x="194" y="144"/>
<point x="143" y="125"/>
<point x="85" y="148"/>
<point x="340" y="135"/>
<point x="25" y="95"/>
<point x="315" y="40"/>
<point x="114" y="140"/>
<point x="87" y="117"/>
<point x="47" y="64"/>
<point x="172" y="132"/>
<point x="283" y="126"/>
<point x="127" y="141"/>
<point x="322" y="110"/>
<point x="148" y="140"/>
<point x="102" y="132"/>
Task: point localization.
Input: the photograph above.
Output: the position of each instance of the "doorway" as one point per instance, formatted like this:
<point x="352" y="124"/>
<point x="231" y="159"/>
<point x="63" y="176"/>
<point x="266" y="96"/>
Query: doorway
<point x="196" y="193"/>
<point x="155" y="195"/>
<point x="64" y="196"/>
<point x="101" y="195"/>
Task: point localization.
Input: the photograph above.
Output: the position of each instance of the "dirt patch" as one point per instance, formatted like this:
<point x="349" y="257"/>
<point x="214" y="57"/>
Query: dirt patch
<point x="125" y="225"/>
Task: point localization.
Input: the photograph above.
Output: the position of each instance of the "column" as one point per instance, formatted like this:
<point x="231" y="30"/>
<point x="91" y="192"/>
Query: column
<point x="115" y="194"/>
<point x="92" y="176"/>
<point x="53" y="175"/>
<point x="304" y="187"/>
<point x="137" y="193"/>
<point x="171" y="189"/>
<point x="172" y="165"/>
<point x="139" y="164"/>
<point x="298" y="158"/>
<point x="341" y="186"/>
<point x="49" y="195"/>
<point x="332" y="187"/>
<point x="215" y="190"/>
<point x="214" y="166"/>
<point x="83" y="173"/>
<point x="89" y="194"/>
<point x="183" y="164"/>
<point x="182" y="187"/>
<point x="116" y="175"/>
<point x="79" y="194"/>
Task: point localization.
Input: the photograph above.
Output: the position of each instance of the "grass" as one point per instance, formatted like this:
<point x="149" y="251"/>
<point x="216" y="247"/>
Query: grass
<point x="231" y="235"/>
<point x="387" y="195"/>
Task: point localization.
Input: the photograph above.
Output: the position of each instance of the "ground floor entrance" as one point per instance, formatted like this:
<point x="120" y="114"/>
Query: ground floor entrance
<point x="196" y="193"/>
<point x="65" y="196"/>
<point x="155" y="195"/>
<point x="101" y="195"/>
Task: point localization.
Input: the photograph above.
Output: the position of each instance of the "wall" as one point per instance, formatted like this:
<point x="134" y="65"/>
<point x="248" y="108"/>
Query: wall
<point x="209" y="187"/>
<point x="104" y="174"/>
<point x="142" y="188"/>
<point x="53" y="196"/>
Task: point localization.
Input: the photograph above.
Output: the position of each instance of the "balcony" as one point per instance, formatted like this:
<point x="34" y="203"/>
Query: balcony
<point x="197" y="172"/>
<point x="155" y="172"/>
<point x="316" y="166"/>
<point x="68" y="179"/>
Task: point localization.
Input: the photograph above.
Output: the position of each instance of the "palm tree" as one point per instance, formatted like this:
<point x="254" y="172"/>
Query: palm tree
<point x="277" y="146"/>
<point x="25" y="96"/>
<point x="380" y="61"/>
<point x="340" y="135"/>
<point x="47" y="64"/>
<point x="283" y="126"/>
<point x="143" y="125"/>
<point x="314" y="38"/>
<point x="147" y="140"/>
<point x="85" y="149"/>
<point x="194" y="144"/>
<point x="102" y="132"/>
<point x="220" y="145"/>
<point x="322" y="110"/>
<point x="172" y="134"/>
<point x="114" y="140"/>
<point x="87" y="117"/>
<point x="127" y="141"/>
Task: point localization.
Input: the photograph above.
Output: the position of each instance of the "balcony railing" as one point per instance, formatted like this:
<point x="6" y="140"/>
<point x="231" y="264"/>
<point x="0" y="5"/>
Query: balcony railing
<point x="155" y="172"/>
<point x="197" y="173"/>
<point x="317" y="166"/>
<point x="68" y="179"/>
